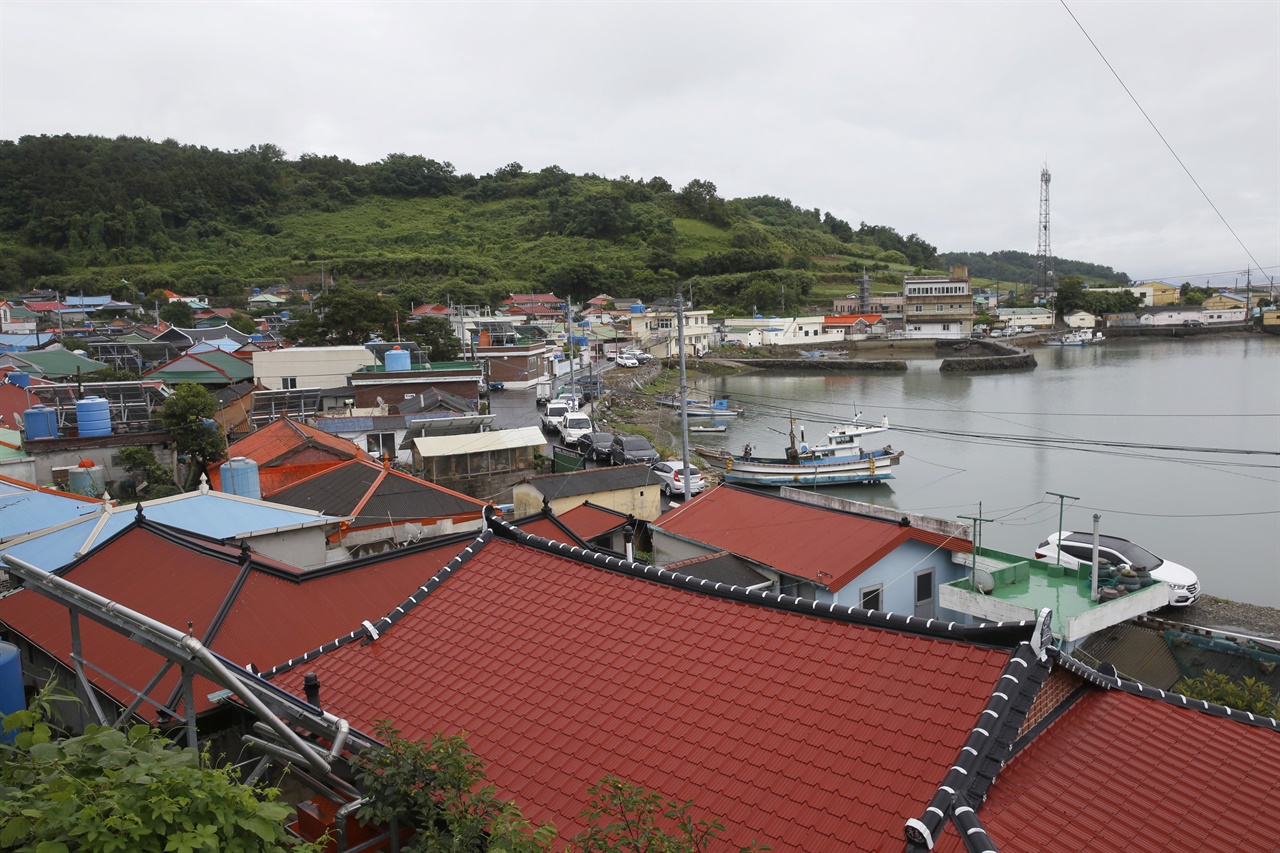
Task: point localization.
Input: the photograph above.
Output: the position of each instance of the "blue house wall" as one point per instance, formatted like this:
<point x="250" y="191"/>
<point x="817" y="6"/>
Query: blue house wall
<point x="895" y="574"/>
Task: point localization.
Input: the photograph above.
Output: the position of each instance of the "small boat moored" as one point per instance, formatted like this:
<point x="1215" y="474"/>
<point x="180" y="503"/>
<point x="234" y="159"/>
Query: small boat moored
<point x="701" y="408"/>
<point x="840" y="460"/>
<point x="1078" y="338"/>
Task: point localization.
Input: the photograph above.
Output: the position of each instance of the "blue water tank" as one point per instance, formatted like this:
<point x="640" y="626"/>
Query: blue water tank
<point x="22" y="380"/>
<point x="397" y="360"/>
<point x="240" y="477"/>
<point x="11" y="696"/>
<point x="88" y="481"/>
<point x="637" y="308"/>
<point x="257" y="291"/>
<point x="93" y="414"/>
<point x="40" y="422"/>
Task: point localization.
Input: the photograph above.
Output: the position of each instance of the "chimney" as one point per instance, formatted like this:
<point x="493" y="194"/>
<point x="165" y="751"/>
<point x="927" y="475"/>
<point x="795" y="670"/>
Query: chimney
<point x="311" y="688"/>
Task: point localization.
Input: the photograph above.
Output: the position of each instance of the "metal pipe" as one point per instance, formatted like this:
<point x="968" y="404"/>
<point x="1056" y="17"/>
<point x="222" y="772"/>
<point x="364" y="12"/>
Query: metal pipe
<point x="41" y="581"/>
<point x="340" y="820"/>
<point x="1093" y="581"/>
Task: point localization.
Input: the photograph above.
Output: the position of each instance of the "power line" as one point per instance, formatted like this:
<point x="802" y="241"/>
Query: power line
<point x="1161" y="135"/>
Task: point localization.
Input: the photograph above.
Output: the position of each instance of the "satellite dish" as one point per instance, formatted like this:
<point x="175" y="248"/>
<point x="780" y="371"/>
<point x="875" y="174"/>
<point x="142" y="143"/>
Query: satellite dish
<point x="983" y="581"/>
<point x="381" y="402"/>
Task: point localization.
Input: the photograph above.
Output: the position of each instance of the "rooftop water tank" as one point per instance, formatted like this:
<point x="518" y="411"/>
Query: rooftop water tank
<point x="93" y="414"/>
<point x="240" y="477"/>
<point x="87" y="479"/>
<point x="40" y="422"/>
<point x="22" y="380"/>
<point x="637" y="308"/>
<point x="397" y="360"/>
<point x="11" y="696"/>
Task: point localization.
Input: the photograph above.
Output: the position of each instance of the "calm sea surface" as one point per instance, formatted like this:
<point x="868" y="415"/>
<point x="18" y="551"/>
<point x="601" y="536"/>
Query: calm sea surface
<point x="1016" y="436"/>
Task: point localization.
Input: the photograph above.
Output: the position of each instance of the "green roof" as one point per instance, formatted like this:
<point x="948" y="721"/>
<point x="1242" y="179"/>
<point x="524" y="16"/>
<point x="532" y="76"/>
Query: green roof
<point x="214" y="367"/>
<point x="59" y="363"/>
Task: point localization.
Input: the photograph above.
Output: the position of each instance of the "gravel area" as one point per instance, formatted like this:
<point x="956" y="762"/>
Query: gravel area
<point x="1238" y="616"/>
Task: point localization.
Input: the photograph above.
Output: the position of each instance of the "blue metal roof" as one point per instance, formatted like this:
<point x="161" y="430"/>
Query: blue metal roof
<point x="212" y="514"/>
<point x="23" y="510"/>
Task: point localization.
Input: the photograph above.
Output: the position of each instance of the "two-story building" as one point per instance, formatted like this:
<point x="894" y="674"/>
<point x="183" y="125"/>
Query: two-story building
<point x="654" y="331"/>
<point x="938" y="306"/>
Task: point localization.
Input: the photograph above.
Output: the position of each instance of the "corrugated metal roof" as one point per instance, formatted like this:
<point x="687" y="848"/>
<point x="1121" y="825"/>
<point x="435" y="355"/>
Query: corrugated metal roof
<point x="379" y="497"/>
<point x="588" y="521"/>
<point x="213" y="514"/>
<point x="1117" y="772"/>
<point x="803" y="733"/>
<point x="593" y="480"/>
<point x="798" y="539"/>
<point x="480" y="442"/>
<point x="276" y="443"/>
<point x="24" y="508"/>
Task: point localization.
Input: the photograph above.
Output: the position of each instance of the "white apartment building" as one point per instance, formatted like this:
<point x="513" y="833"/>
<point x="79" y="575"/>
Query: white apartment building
<point x="654" y="331"/>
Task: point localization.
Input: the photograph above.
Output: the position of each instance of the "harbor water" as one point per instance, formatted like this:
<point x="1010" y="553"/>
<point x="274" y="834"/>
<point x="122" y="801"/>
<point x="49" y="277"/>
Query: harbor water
<point x="1175" y="443"/>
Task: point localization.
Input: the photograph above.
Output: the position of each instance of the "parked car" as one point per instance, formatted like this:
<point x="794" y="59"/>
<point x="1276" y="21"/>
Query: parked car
<point x="629" y="449"/>
<point x="639" y="355"/>
<point x="573" y="427"/>
<point x="1075" y="549"/>
<point x="625" y="360"/>
<point x="597" y="445"/>
<point x="671" y="475"/>
<point x="556" y="409"/>
<point x="575" y="398"/>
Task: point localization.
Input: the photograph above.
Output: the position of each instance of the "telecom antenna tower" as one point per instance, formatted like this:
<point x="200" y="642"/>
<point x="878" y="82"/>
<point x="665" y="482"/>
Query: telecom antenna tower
<point x="1044" y="254"/>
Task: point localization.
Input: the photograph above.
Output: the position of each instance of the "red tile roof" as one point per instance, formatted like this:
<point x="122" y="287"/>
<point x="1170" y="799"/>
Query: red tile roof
<point x="588" y="520"/>
<point x="297" y="449"/>
<point x="1119" y="772"/>
<point x="850" y="319"/>
<point x="804" y="732"/>
<point x="277" y="612"/>
<point x="798" y="539"/>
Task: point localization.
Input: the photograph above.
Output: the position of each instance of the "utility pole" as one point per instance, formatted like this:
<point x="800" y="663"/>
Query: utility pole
<point x="684" y="401"/>
<point x="568" y="329"/>
<point x="1061" y="502"/>
<point x="977" y="545"/>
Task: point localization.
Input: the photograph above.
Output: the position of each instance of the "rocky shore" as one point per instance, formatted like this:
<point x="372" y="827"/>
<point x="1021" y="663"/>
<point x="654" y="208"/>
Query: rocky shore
<point x="1237" y="616"/>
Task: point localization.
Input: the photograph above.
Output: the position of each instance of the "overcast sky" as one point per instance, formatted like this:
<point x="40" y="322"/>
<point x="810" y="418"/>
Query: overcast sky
<point x="934" y="118"/>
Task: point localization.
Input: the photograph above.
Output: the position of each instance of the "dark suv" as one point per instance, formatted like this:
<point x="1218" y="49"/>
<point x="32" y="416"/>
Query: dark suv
<point x="628" y="449"/>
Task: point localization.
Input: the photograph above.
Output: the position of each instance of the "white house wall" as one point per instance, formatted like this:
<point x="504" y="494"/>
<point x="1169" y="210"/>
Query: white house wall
<point x="309" y="367"/>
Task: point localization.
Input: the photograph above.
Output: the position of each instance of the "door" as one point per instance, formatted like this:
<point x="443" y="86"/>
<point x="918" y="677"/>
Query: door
<point x="924" y="594"/>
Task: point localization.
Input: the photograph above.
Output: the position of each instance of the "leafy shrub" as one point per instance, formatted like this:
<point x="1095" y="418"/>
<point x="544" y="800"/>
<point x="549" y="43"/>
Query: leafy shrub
<point x="1248" y="694"/>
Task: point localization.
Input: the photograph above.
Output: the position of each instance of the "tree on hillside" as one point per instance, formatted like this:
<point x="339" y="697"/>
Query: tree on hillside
<point x="188" y="417"/>
<point x="436" y="336"/>
<point x="178" y="314"/>
<point x="242" y="323"/>
<point x="346" y="315"/>
<point x="1070" y="295"/>
<point x="700" y="201"/>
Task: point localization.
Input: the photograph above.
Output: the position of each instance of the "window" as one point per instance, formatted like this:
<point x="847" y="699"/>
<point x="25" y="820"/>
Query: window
<point x="664" y="323"/>
<point x="919" y="308"/>
<point x="870" y="596"/>
<point x="946" y="327"/>
<point x="938" y="307"/>
<point x="380" y="444"/>
<point x="288" y="383"/>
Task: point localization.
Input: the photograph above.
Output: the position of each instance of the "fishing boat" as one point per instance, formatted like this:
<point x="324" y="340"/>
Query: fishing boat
<point x="1078" y="338"/>
<point x="701" y="408"/>
<point x="839" y="460"/>
<point x="708" y="428"/>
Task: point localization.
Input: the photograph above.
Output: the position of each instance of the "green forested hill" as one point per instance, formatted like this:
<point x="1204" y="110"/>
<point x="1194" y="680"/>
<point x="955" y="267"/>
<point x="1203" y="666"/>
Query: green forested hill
<point x="128" y="216"/>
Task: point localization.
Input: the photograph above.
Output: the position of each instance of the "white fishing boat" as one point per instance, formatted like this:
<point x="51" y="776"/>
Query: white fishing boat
<point x="839" y="460"/>
<point x="1078" y="338"/>
<point x="708" y="428"/>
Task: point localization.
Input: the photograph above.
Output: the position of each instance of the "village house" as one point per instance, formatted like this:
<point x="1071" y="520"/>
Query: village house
<point x="632" y="490"/>
<point x="482" y="464"/>
<point x="938" y="306"/>
<point x="780" y="331"/>
<point x="654" y="331"/>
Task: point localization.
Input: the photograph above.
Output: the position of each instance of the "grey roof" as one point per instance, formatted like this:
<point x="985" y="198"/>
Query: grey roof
<point x="593" y="480"/>
<point x="392" y="498"/>
<point x="721" y="567"/>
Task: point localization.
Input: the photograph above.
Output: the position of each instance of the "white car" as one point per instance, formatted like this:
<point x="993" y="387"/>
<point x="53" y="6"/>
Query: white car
<point x="555" y="412"/>
<point x="1076" y="549"/>
<point x="671" y="475"/>
<point x="625" y="360"/>
<point x="573" y="426"/>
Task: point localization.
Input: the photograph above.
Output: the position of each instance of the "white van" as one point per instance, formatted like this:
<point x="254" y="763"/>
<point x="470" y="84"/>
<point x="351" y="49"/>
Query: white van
<point x="555" y="412"/>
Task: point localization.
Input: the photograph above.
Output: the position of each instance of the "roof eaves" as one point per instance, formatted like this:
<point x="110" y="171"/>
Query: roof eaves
<point x="1004" y="635"/>
<point x="372" y="630"/>
<point x="1114" y="682"/>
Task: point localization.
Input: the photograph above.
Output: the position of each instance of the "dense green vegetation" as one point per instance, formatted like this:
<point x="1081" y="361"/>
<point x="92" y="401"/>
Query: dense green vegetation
<point x="129" y="216"/>
<point x="1019" y="267"/>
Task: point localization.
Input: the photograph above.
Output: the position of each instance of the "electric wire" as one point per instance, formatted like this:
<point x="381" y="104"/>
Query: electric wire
<point x="1158" y="133"/>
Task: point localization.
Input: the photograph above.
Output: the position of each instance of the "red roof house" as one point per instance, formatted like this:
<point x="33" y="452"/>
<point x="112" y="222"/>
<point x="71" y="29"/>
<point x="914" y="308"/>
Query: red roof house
<point x="800" y="728"/>
<point x="841" y="548"/>
<point x="288" y="451"/>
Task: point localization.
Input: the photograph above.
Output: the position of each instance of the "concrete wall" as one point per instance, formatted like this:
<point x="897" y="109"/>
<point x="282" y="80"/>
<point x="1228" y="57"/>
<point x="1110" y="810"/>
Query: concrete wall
<point x="312" y="367"/>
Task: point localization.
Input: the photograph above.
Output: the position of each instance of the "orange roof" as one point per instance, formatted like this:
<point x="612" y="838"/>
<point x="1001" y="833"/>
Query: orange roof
<point x="283" y="443"/>
<point x="850" y="319"/>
